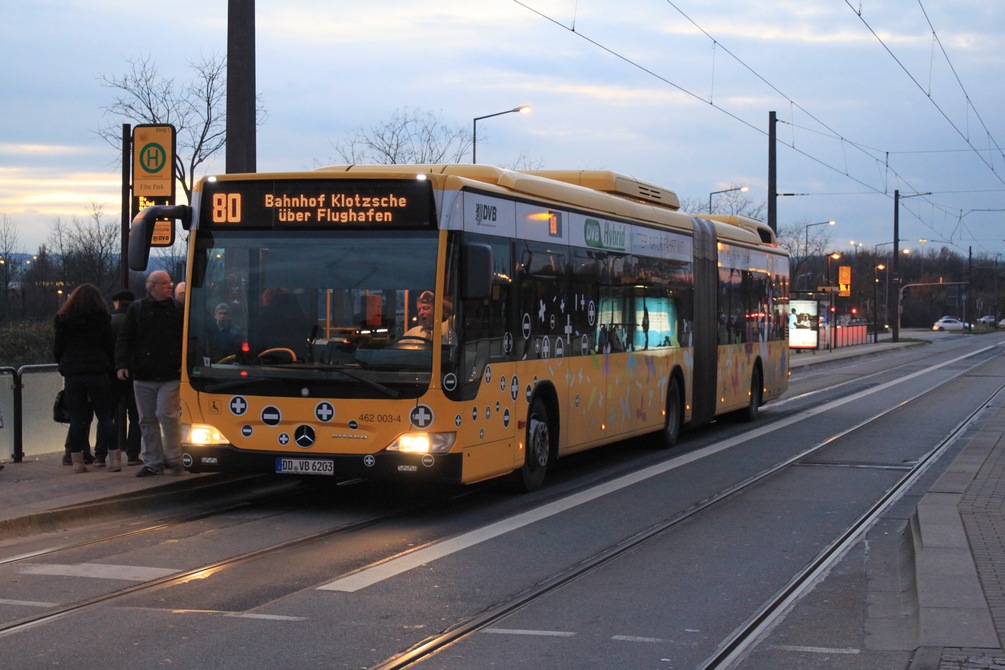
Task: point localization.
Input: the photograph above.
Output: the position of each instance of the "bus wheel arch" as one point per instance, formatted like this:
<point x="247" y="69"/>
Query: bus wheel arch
<point x="541" y="444"/>
<point x="674" y="411"/>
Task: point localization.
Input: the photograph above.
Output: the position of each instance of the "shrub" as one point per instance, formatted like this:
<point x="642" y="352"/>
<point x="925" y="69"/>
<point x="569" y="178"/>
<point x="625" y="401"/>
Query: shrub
<point x="25" y="343"/>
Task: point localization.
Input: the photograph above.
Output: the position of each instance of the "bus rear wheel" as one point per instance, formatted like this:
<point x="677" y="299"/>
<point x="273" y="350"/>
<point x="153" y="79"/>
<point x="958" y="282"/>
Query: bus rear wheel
<point x="756" y="397"/>
<point x="537" y="455"/>
<point x="668" y="437"/>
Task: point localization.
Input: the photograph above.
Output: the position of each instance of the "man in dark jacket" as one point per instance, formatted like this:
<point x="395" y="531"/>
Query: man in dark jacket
<point x="148" y="351"/>
<point x="122" y="391"/>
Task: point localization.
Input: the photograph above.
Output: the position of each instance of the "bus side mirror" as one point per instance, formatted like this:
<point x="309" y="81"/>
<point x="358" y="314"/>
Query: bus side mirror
<point x="141" y="231"/>
<point x="476" y="282"/>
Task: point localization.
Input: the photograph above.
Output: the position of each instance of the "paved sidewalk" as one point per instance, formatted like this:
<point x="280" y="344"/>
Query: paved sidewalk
<point x="960" y="555"/>
<point x="40" y="493"/>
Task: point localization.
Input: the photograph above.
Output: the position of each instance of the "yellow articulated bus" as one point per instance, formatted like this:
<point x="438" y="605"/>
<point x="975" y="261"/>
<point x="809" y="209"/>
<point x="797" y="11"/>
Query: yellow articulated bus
<point x="461" y="322"/>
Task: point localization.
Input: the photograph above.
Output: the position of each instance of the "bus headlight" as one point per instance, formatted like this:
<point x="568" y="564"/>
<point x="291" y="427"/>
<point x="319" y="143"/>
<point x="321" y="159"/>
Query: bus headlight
<point x="201" y="435"/>
<point x="423" y="443"/>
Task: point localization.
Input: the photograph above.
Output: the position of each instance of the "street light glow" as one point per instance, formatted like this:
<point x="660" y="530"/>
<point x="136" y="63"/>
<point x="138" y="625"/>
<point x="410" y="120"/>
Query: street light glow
<point x="523" y="109"/>
<point x="741" y="189"/>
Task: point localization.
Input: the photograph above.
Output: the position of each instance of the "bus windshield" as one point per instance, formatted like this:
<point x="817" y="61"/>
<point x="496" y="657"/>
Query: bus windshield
<point x="310" y="313"/>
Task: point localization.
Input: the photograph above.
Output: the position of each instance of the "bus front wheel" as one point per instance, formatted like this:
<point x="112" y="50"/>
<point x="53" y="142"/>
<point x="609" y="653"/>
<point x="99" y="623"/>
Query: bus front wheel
<point x="537" y="455"/>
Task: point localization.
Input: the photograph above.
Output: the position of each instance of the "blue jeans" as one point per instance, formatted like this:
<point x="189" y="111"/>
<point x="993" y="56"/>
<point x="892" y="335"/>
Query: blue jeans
<point x="98" y="390"/>
<point x="159" y="406"/>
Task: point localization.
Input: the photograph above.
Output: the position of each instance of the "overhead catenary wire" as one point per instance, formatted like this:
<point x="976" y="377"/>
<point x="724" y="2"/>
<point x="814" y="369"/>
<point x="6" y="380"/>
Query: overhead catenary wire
<point x="969" y="104"/>
<point x="870" y="152"/>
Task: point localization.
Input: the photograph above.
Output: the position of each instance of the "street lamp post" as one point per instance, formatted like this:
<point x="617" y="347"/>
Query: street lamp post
<point x="894" y="265"/>
<point x="888" y="316"/>
<point x="474" y="128"/>
<point x="742" y="189"/>
<point x="833" y="308"/>
<point x="806" y="244"/>
<point x="875" y="301"/>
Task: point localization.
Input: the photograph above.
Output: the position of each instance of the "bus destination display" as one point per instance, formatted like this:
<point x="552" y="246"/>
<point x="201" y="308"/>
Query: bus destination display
<point x="318" y="204"/>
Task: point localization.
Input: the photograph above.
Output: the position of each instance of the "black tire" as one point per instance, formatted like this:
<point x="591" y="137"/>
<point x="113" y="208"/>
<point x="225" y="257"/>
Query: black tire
<point x="538" y="450"/>
<point x="756" y="397"/>
<point x="668" y="437"/>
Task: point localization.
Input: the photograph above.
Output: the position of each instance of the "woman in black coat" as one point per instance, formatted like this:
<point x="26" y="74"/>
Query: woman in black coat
<point x="84" y="349"/>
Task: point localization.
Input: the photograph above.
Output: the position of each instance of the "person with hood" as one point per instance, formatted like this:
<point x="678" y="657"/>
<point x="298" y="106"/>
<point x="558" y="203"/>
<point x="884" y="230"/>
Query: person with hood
<point x="84" y="349"/>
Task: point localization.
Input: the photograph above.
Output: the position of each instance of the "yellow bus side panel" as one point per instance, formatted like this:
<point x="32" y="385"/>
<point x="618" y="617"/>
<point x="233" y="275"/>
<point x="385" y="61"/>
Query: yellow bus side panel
<point x="736" y="366"/>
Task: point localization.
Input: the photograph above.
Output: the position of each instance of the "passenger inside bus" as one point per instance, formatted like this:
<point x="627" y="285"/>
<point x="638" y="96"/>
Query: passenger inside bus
<point x="225" y="338"/>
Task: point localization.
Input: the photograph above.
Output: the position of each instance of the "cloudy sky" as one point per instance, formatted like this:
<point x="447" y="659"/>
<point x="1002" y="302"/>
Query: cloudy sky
<point x="870" y="96"/>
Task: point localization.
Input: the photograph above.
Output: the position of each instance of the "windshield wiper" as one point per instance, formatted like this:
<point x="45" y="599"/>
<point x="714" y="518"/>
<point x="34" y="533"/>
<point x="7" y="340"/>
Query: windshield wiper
<point x="233" y="383"/>
<point x="386" y="390"/>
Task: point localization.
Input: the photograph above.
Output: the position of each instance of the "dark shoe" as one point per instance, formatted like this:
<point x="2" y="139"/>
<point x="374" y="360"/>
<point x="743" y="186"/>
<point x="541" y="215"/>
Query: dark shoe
<point x="99" y="462"/>
<point x="88" y="459"/>
<point x="67" y="461"/>
<point x="147" y="471"/>
<point x="135" y="460"/>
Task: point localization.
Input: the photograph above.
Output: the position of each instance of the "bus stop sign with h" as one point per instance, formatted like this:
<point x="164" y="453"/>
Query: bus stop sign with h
<point x="153" y="175"/>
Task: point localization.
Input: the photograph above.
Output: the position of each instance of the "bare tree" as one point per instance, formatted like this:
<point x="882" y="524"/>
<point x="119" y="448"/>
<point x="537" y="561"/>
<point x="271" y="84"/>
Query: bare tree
<point x="10" y="243"/>
<point x="732" y="202"/>
<point x="804" y="244"/>
<point x="197" y="110"/>
<point x="409" y="136"/>
<point x="87" y="250"/>
<point x="524" y="162"/>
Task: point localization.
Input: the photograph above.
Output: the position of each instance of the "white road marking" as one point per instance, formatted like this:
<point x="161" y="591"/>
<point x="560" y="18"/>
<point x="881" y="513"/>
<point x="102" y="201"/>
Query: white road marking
<point x="817" y="650"/>
<point x="268" y="617"/>
<point x="26" y="603"/>
<point x="634" y="638"/>
<point x="517" y="631"/>
<point x="402" y="563"/>
<point x="129" y="573"/>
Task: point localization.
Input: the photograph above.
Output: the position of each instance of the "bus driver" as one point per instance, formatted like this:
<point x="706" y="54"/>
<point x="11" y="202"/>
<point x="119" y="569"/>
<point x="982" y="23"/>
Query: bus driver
<point x="424" y="305"/>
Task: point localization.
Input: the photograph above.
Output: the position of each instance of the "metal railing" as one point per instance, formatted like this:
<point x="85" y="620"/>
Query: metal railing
<point x="26" y="411"/>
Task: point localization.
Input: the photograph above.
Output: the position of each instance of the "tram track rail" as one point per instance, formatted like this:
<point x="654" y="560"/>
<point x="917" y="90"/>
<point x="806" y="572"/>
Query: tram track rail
<point x="163" y="524"/>
<point x="406" y="508"/>
<point x="745" y="636"/>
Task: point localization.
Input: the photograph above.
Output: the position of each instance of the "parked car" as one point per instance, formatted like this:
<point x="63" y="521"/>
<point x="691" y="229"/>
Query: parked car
<point x="949" y="323"/>
<point x="987" y="320"/>
<point x="1001" y="324"/>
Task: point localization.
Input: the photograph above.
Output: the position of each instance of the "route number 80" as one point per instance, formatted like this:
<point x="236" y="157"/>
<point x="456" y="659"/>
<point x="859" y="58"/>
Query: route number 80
<point x="226" y="208"/>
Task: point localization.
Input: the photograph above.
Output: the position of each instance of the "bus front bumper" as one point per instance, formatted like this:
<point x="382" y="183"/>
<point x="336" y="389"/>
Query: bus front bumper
<point x="382" y="465"/>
